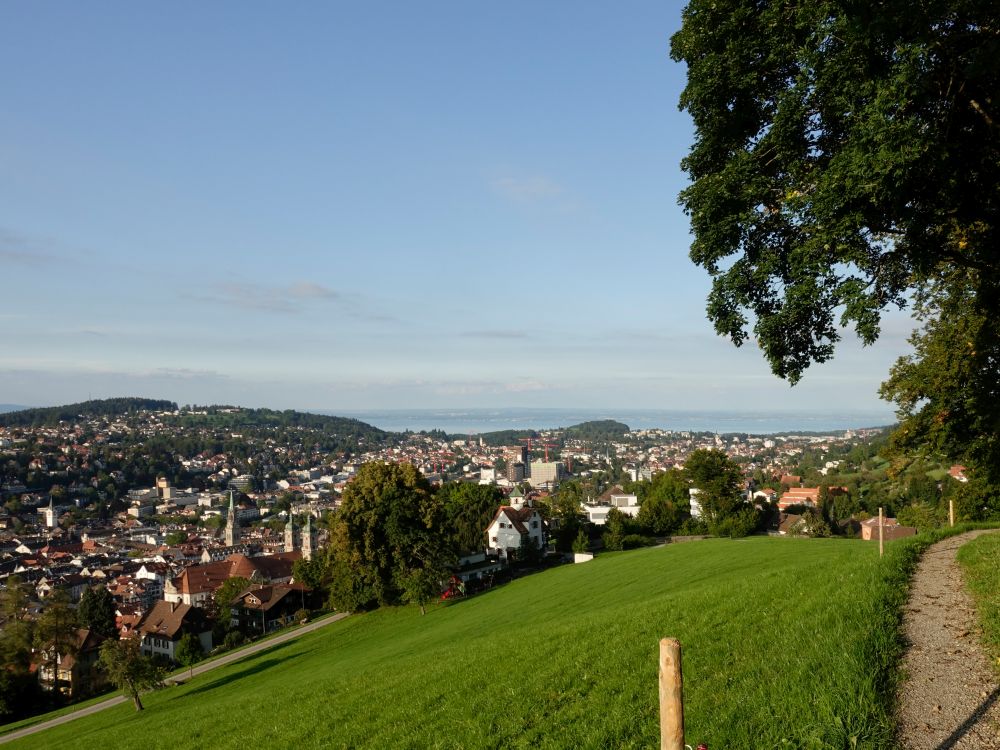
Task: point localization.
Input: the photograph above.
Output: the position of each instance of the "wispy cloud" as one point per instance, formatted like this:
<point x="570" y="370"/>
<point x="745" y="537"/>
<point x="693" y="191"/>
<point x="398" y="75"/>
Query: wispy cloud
<point x="524" y="386"/>
<point x="477" y="387"/>
<point x="24" y="251"/>
<point x="181" y="373"/>
<point x="528" y="189"/>
<point x="494" y="334"/>
<point x="311" y="290"/>
<point x="289" y="298"/>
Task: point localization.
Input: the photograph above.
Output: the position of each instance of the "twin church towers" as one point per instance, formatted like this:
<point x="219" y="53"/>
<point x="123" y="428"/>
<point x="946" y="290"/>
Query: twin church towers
<point x="303" y="539"/>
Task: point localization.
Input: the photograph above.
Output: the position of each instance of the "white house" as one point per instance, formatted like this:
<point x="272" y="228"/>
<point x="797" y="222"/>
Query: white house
<point x="514" y="527"/>
<point x="616" y="497"/>
<point x="695" y="505"/>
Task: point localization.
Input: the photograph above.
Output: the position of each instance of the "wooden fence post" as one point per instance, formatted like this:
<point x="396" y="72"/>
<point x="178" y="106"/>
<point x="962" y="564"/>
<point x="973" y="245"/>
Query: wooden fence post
<point x="671" y="696"/>
<point x="951" y="512"/>
<point x="880" y="548"/>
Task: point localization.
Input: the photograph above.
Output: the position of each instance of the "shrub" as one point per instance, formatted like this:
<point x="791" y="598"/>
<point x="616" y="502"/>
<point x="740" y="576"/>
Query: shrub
<point x="634" y="541"/>
<point x="234" y="638"/>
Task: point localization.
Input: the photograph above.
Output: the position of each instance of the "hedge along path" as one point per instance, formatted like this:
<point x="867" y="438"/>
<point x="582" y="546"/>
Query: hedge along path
<point x="949" y="697"/>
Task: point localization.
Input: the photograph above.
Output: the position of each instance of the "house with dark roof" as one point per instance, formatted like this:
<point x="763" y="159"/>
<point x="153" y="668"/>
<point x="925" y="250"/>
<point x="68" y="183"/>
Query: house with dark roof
<point x="261" y="609"/>
<point x="162" y="627"/>
<point x="73" y="673"/>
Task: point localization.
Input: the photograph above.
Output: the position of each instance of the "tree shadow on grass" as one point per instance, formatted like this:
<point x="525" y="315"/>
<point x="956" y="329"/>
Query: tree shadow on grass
<point x="970" y="722"/>
<point x="248" y="671"/>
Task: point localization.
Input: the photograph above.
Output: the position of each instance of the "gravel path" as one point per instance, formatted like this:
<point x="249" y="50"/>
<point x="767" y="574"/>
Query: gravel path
<point x="949" y="698"/>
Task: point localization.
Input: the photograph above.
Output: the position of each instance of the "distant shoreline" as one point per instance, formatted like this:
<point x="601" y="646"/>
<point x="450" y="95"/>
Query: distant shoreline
<point x="466" y="421"/>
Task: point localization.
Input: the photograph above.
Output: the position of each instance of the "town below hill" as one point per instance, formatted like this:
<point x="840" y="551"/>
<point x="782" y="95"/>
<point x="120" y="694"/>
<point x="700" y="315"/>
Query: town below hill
<point x="190" y="529"/>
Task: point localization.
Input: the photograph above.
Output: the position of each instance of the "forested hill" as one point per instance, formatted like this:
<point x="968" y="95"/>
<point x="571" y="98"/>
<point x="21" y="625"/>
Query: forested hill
<point x="600" y="429"/>
<point x="597" y="430"/>
<point x="105" y="407"/>
<point x="497" y="438"/>
<point x="232" y="417"/>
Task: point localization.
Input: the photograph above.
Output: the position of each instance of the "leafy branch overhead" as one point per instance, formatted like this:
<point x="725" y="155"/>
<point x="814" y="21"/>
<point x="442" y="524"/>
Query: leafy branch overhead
<point x="843" y="154"/>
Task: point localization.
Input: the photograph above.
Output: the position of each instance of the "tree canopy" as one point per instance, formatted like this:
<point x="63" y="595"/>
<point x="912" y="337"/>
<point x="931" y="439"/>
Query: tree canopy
<point x="948" y="390"/>
<point x="97" y="611"/>
<point x="844" y="153"/>
<point x="717" y="479"/>
<point x="469" y="509"/>
<point x="388" y="538"/>
<point x="129" y="670"/>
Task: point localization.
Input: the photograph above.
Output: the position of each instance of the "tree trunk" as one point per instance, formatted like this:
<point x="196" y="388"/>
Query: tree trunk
<point x="422" y="610"/>
<point x="136" y="700"/>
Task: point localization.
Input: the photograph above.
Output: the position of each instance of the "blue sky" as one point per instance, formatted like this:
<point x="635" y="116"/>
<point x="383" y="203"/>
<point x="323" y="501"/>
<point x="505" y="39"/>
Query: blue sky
<point x="365" y="205"/>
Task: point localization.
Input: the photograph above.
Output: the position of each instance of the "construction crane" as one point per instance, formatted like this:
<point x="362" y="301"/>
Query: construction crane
<point x="443" y="459"/>
<point x="547" y="446"/>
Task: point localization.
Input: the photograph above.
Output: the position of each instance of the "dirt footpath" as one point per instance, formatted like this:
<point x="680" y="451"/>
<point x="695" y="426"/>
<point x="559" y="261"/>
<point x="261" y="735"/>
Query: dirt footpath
<point x="950" y="696"/>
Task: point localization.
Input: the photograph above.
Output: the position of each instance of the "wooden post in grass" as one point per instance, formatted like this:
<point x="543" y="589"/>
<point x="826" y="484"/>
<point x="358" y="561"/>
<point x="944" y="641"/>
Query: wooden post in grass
<point x="671" y="696"/>
<point x="880" y="548"/>
<point x="951" y="512"/>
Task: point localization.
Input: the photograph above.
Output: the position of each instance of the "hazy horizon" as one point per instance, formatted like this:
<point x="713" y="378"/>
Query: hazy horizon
<point x="489" y="419"/>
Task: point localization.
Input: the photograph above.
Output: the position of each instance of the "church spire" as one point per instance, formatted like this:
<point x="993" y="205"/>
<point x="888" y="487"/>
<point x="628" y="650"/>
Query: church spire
<point x="232" y="527"/>
<point x="307" y="538"/>
<point x="290" y="532"/>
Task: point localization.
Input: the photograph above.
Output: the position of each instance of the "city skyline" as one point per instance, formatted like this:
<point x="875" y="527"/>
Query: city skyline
<point x="358" y="208"/>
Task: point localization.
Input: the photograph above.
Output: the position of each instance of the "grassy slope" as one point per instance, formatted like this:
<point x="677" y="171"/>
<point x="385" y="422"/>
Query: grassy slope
<point x="980" y="560"/>
<point x="785" y="645"/>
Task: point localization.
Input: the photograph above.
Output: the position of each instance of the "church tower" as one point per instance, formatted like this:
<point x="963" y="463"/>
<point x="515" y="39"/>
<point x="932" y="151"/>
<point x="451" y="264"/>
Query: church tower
<point x="232" y="526"/>
<point x="307" y="539"/>
<point x="290" y="533"/>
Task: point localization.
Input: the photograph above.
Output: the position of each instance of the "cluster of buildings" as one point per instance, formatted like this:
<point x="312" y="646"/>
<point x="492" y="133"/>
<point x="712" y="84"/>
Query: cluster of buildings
<point x="80" y="509"/>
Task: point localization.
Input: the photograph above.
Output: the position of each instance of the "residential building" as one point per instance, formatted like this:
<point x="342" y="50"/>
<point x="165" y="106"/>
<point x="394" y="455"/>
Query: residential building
<point x="546" y="473"/>
<point x="72" y="673"/>
<point x="514" y="528"/>
<point x="197" y="583"/>
<point x="261" y="609"/>
<point x="161" y="629"/>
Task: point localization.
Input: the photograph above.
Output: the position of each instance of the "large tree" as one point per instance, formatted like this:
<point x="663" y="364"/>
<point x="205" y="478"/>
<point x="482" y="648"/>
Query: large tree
<point x="224" y="595"/>
<point x="17" y="633"/>
<point x="844" y="154"/>
<point x="718" y="480"/>
<point x="566" y="515"/>
<point x="129" y="669"/>
<point x="948" y="390"/>
<point x="97" y="611"/>
<point x="56" y="632"/>
<point x="469" y="509"/>
<point x="389" y="538"/>
<point x="189" y="652"/>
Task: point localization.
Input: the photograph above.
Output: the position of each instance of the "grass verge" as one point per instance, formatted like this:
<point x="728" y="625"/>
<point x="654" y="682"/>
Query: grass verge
<point x="787" y="643"/>
<point x="980" y="561"/>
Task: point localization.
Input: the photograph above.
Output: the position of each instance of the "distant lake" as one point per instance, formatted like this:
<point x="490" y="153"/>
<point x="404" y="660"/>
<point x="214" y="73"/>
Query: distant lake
<point x="459" y="421"/>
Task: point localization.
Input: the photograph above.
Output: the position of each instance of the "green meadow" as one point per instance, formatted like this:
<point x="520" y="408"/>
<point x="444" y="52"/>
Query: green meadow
<point x="786" y="643"/>
<point x="980" y="561"/>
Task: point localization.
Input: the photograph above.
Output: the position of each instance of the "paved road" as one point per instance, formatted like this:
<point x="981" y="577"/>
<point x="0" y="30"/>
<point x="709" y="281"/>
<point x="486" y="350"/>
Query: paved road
<point x="180" y="676"/>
